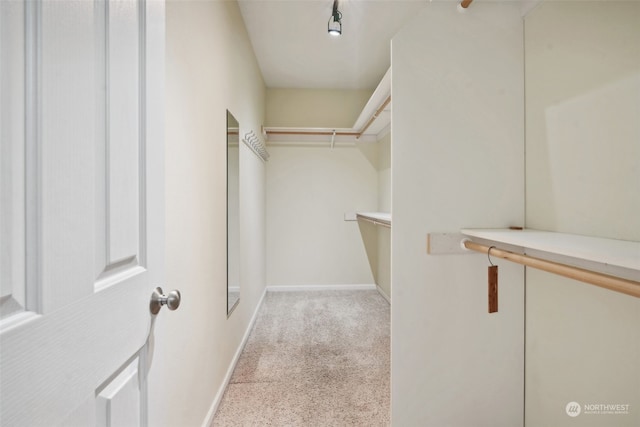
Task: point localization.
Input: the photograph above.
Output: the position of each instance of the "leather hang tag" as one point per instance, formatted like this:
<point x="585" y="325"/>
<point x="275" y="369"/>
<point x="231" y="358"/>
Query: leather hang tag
<point x="493" y="288"/>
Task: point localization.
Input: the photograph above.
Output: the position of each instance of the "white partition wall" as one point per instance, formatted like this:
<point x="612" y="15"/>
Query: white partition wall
<point x="583" y="176"/>
<point x="457" y="161"/>
<point x="383" y="279"/>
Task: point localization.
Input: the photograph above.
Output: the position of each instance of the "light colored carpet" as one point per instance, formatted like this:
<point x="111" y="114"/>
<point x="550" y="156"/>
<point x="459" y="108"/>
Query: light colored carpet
<point x="313" y="359"/>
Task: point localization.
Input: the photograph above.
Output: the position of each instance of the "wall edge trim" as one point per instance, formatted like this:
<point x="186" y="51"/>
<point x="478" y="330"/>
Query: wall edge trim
<point x="383" y="294"/>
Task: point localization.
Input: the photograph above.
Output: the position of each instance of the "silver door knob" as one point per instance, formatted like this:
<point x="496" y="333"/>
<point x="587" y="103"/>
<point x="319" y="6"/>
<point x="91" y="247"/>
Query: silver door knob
<point x="158" y="299"/>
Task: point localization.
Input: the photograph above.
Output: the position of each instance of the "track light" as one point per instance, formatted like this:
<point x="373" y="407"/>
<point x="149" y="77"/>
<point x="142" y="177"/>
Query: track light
<point x="334" y="26"/>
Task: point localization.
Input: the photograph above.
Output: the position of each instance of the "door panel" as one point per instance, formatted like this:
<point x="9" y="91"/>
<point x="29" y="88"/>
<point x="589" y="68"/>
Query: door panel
<point x="118" y="402"/>
<point x="123" y="137"/>
<point x="12" y="160"/>
<point x="92" y="209"/>
<point x="69" y="101"/>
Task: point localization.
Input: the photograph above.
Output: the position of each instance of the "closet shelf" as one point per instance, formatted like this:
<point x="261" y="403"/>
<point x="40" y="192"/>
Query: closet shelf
<point x="377" y="218"/>
<point x="621" y="253"/>
<point x="373" y="123"/>
<point x="590" y="259"/>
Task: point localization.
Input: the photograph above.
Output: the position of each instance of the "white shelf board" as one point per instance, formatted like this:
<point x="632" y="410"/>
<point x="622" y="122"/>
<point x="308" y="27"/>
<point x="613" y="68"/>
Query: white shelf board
<point x="379" y="95"/>
<point x="381" y="217"/>
<point x="609" y="252"/>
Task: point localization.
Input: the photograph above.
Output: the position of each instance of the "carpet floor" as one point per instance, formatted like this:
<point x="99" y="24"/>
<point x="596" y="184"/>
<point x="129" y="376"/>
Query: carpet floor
<point x="313" y="359"/>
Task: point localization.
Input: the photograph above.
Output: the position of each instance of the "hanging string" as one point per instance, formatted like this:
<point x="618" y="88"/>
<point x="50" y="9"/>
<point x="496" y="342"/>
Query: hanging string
<point x="489" y="254"/>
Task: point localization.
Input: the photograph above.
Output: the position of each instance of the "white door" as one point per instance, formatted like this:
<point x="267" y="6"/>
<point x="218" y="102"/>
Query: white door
<point x="81" y="225"/>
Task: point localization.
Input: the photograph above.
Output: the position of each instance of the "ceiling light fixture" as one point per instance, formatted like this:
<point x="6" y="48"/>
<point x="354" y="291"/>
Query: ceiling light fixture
<point x="334" y="26"/>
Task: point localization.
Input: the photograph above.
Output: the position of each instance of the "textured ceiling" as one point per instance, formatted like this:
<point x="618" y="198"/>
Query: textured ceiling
<point x="290" y="40"/>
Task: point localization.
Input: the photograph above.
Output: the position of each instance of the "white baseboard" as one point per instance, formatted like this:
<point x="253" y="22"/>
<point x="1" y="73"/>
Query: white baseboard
<point x="302" y="288"/>
<point x="232" y="365"/>
<point x="384" y="294"/>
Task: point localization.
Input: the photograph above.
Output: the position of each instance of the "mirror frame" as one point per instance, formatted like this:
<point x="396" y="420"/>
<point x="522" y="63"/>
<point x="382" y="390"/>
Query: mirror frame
<point x="233" y="235"/>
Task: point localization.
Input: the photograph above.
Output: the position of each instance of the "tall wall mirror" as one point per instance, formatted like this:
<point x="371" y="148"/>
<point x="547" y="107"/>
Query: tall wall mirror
<point x="233" y="211"/>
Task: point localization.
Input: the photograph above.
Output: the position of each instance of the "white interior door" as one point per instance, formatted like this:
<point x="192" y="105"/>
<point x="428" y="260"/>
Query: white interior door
<point x="81" y="225"/>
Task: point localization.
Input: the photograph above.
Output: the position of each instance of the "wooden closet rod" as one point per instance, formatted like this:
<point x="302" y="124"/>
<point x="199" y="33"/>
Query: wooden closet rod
<point x="311" y="132"/>
<point x="331" y="132"/>
<point x="613" y="283"/>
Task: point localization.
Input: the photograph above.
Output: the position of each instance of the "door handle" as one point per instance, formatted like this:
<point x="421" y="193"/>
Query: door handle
<point x="158" y="299"/>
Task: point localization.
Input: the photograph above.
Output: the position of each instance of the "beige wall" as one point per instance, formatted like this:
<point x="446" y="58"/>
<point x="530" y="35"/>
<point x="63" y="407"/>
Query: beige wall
<point x="457" y="161"/>
<point x="583" y="176"/>
<point x="309" y="189"/>
<point x="314" y="107"/>
<point x="210" y="68"/>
